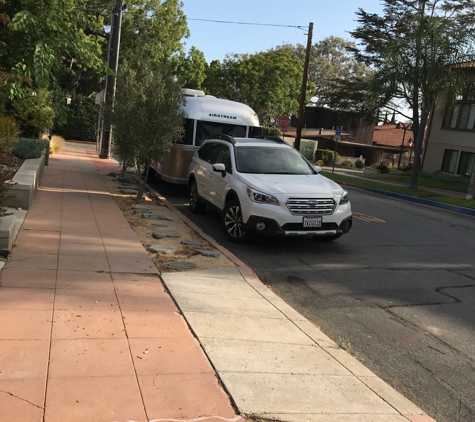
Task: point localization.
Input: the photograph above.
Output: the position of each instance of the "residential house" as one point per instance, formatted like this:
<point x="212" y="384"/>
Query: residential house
<point x="375" y="144"/>
<point x="450" y="142"/>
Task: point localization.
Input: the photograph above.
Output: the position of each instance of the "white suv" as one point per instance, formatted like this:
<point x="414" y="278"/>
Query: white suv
<point x="263" y="185"/>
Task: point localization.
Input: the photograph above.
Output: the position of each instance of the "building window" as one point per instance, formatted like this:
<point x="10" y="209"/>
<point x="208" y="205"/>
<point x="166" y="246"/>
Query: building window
<point x="466" y="163"/>
<point x="450" y="159"/>
<point x="462" y="114"/>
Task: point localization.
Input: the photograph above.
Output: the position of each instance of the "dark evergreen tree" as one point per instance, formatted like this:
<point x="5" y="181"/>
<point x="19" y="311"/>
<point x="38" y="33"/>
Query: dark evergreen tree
<point x="413" y="46"/>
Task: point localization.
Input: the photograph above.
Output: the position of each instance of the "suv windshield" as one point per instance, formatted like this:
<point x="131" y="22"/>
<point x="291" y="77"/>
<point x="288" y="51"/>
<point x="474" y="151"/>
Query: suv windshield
<point x="270" y="160"/>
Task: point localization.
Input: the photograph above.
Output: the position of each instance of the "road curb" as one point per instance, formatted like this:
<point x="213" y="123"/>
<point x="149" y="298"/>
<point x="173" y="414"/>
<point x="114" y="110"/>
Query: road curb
<point x="246" y="271"/>
<point x="450" y="207"/>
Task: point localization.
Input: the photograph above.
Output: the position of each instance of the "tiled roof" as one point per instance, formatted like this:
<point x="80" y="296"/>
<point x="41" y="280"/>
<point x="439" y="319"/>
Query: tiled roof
<point x="389" y="135"/>
<point x="465" y="65"/>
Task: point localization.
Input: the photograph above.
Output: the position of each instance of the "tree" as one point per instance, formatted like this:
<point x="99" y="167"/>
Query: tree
<point x="155" y="28"/>
<point x="150" y="94"/>
<point x="330" y="60"/>
<point x="269" y="82"/>
<point x="192" y="69"/>
<point x="42" y="38"/>
<point x="412" y="48"/>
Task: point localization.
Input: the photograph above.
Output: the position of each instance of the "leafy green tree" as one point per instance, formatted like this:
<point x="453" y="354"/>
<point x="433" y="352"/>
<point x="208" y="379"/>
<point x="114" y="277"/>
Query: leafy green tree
<point x="269" y="82"/>
<point x="330" y="59"/>
<point x="413" y="46"/>
<point x="147" y="116"/>
<point x="40" y="38"/>
<point x="155" y="28"/>
<point x="192" y="69"/>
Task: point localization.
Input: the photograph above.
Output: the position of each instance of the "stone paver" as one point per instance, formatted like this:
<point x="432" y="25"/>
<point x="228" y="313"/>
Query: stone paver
<point x="161" y="249"/>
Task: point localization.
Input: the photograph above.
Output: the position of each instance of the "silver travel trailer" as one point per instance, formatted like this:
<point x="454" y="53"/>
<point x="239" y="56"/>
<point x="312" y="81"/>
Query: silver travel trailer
<point x="205" y="117"/>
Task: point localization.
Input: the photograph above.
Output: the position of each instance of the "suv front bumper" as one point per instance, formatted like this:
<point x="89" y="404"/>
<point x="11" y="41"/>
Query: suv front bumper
<point x="272" y="227"/>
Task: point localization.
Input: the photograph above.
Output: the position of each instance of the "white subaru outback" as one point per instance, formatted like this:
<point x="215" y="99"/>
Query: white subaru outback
<point x="263" y="185"/>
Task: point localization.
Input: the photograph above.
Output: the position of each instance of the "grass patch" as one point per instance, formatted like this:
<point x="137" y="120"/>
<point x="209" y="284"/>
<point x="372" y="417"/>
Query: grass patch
<point x="418" y="193"/>
<point x="56" y="144"/>
<point x="443" y="182"/>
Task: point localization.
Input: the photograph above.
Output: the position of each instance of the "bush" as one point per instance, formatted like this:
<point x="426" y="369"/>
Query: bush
<point x="359" y="164"/>
<point x="56" y="144"/>
<point x="34" y="113"/>
<point x="30" y="148"/>
<point x="81" y="124"/>
<point x="348" y="163"/>
<point x="326" y="155"/>
<point x="9" y="131"/>
<point x="271" y="131"/>
<point x="380" y="166"/>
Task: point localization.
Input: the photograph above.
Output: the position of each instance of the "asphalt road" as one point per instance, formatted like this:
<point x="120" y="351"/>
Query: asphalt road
<point x="398" y="292"/>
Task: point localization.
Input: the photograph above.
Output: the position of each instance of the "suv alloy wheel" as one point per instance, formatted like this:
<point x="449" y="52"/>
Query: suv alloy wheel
<point x="232" y="224"/>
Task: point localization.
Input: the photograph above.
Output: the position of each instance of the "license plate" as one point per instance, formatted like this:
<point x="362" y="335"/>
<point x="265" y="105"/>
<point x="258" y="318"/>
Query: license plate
<point x="312" y="221"/>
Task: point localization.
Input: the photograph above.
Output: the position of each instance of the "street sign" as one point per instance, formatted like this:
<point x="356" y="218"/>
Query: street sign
<point x="284" y="122"/>
<point x="337" y="130"/>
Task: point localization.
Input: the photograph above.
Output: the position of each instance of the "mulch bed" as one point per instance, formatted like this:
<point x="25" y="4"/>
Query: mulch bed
<point x="9" y="165"/>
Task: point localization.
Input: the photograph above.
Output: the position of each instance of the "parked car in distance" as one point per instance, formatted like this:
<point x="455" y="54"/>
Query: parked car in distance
<point x="264" y="186"/>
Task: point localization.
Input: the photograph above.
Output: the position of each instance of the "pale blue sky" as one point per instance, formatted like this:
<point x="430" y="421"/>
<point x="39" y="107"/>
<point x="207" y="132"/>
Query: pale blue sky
<point x="330" y="17"/>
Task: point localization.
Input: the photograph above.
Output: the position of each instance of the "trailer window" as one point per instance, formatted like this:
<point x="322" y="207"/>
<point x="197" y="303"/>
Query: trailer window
<point x="188" y="126"/>
<point x="208" y="130"/>
<point x="255" y="131"/>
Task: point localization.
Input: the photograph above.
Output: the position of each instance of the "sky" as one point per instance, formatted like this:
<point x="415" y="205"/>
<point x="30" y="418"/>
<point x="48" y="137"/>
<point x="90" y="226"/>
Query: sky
<point x="215" y="40"/>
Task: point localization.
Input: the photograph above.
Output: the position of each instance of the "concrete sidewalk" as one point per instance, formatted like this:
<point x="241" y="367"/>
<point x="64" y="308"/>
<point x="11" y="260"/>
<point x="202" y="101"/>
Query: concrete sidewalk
<point x="89" y="334"/>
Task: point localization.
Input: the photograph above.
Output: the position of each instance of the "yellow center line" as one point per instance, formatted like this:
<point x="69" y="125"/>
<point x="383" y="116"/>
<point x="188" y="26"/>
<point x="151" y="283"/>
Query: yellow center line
<point x="367" y="218"/>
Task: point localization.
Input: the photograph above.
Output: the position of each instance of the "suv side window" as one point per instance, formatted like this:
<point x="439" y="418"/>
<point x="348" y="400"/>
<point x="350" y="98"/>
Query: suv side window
<point x="225" y="158"/>
<point x="204" y="151"/>
<point x="214" y="153"/>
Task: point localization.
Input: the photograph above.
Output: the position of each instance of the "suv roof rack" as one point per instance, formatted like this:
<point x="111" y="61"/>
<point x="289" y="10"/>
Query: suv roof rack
<point x="271" y="138"/>
<point x="223" y="137"/>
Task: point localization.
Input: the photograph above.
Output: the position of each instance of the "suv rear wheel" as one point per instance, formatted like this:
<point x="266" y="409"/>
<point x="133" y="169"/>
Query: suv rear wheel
<point x="232" y="224"/>
<point x="197" y="206"/>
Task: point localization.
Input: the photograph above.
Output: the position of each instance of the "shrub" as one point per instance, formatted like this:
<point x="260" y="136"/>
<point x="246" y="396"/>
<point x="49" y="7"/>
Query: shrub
<point x="56" y="144"/>
<point x="380" y="166"/>
<point x="359" y="164"/>
<point x="271" y="131"/>
<point x="81" y="122"/>
<point x="9" y="131"/>
<point x="30" y="148"/>
<point x="326" y="155"/>
<point x="348" y="163"/>
<point x="34" y="113"/>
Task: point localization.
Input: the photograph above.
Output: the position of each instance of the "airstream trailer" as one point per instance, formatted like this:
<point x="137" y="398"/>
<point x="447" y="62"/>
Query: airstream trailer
<point x="205" y="117"/>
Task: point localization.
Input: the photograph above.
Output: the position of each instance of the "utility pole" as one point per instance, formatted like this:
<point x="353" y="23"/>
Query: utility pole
<point x="303" y="92"/>
<point x="112" y="62"/>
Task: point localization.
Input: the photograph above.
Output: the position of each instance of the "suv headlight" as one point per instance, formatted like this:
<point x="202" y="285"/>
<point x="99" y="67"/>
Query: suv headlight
<point x="344" y="198"/>
<point x="261" y="198"/>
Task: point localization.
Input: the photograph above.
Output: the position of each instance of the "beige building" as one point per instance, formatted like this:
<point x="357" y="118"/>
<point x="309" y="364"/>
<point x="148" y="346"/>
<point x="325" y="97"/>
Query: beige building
<point x="450" y="145"/>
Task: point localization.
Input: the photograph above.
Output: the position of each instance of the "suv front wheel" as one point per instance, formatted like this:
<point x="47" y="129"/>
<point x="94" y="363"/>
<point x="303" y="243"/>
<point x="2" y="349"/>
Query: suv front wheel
<point x="232" y="224"/>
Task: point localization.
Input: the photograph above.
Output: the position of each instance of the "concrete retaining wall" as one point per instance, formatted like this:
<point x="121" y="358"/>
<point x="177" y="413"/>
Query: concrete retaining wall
<point x="25" y="183"/>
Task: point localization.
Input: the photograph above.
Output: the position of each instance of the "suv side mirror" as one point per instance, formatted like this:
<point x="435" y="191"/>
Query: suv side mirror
<point x="318" y="169"/>
<point x="220" y="167"/>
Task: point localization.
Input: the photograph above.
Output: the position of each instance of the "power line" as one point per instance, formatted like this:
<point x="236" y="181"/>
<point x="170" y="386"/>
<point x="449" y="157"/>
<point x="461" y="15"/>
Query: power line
<point x="304" y="28"/>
